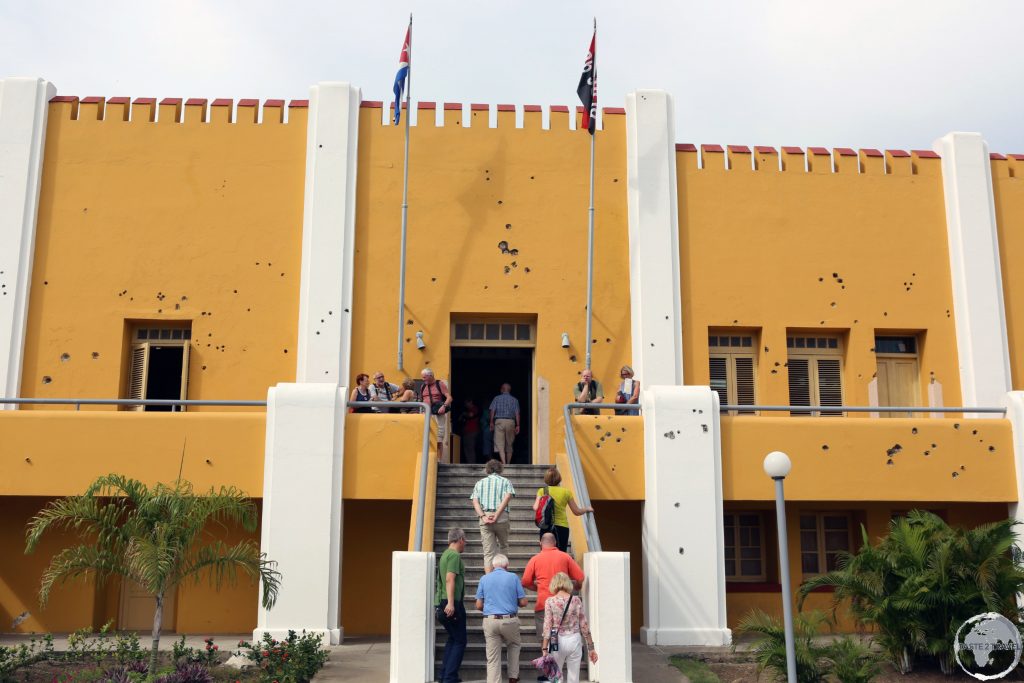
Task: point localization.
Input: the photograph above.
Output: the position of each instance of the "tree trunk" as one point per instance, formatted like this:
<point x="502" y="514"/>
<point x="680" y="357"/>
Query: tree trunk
<point x="158" y="616"/>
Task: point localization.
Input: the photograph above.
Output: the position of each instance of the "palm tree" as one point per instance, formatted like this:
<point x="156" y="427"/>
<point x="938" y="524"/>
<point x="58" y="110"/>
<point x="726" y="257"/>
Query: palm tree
<point x="770" y="647"/>
<point x="153" y="537"/>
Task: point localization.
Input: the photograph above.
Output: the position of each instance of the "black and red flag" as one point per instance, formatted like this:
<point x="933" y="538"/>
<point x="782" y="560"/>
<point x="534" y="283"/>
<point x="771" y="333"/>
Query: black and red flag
<point x="587" y="89"/>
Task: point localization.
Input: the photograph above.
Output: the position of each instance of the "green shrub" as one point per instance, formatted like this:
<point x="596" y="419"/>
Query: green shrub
<point x="293" y="660"/>
<point x="770" y="645"/>
<point x="924" y="579"/>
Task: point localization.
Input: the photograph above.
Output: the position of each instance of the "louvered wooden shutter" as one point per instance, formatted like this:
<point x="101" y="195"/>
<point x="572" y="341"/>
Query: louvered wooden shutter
<point x="744" y="382"/>
<point x="138" y="374"/>
<point x="718" y="367"/>
<point x="799" y="384"/>
<point x="830" y="384"/>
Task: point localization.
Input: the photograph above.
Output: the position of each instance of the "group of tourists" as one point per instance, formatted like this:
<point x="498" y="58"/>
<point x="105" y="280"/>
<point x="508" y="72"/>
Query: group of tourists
<point x="558" y="615"/>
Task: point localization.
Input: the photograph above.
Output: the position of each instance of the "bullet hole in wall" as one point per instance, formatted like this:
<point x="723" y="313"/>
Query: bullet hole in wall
<point x="286" y="350"/>
<point x="956" y="425"/>
<point x="913" y="430"/>
<point x="47" y="379"/>
<point x="508" y="226"/>
<point x="65" y="357"/>
<point x="824" y="447"/>
<point x="46" y="282"/>
<point x="526" y="270"/>
<point x="95" y="355"/>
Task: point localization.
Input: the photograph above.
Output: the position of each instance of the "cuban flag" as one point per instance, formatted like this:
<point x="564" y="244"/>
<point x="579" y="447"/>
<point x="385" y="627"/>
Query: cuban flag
<point x="587" y="88"/>
<point x="403" y="74"/>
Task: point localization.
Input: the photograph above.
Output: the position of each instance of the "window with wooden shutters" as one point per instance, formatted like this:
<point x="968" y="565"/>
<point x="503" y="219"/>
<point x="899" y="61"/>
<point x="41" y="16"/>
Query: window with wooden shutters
<point x="732" y="369"/>
<point x="744" y="546"/>
<point x="897" y="376"/>
<point x="815" y="367"/>
<point x="158" y="365"/>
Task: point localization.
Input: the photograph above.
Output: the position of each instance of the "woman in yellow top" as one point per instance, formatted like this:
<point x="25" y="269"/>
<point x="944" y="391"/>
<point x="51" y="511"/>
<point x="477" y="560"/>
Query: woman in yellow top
<point x="562" y="498"/>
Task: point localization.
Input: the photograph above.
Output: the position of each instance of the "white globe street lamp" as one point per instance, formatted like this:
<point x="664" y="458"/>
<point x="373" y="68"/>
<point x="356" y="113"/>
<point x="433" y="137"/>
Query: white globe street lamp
<point x="777" y="465"/>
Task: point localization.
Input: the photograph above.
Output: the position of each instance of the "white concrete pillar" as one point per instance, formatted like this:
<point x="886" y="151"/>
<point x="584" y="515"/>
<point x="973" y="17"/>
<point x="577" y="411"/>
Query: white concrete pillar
<point x="974" y="265"/>
<point x="412" y="617"/>
<point x="606" y="594"/>
<point x="23" y="109"/>
<point x="328" y="234"/>
<point x="652" y="199"/>
<point x="1014" y="402"/>
<point x="302" y="477"/>
<point x="684" y="571"/>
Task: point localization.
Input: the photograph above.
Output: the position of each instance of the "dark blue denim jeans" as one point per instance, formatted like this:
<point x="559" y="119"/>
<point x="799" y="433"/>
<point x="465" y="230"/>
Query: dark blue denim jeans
<point x="455" y="647"/>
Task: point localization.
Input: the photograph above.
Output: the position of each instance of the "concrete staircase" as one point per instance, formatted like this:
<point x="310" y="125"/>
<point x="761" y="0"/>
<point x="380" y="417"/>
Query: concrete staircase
<point x="454" y="486"/>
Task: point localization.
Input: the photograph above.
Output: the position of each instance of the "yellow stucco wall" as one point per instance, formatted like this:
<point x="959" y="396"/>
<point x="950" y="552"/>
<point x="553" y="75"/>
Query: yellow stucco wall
<point x="612" y="452"/>
<point x="955" y="460"/>
<point x="381" y="454"/>
<point x="845" y="253"/>
<point x="373" y="530"/>
<point x="1008" y="189"/>
<point x="161" y="221"/>
<point x="59" y="453"/>
<point x="471" y="188"/>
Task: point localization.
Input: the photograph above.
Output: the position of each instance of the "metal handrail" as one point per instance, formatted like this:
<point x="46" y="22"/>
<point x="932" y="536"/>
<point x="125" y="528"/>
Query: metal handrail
<point x="864" y="409"/>
<point x="79" y="402"/>
<point x="576" y="466"/>
<point x="425" y="408"/>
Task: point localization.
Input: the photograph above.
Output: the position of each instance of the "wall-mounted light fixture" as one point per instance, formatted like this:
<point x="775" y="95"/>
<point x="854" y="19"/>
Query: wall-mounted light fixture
<point x="565" y="340"/>
<point x="420" y="344"/>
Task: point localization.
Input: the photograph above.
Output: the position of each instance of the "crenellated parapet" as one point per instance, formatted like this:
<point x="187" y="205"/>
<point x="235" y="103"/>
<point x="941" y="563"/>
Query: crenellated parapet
<point x="176" y="110"/>
<point x="812" y="160"/>
<point x="483" y="115"/>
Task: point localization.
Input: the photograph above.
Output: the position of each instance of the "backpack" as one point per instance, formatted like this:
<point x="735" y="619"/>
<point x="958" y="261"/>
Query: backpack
<point x="544" y="518"/>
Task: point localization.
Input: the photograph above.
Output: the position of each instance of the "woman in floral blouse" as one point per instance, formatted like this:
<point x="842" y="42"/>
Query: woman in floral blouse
<point x="573" y="628"/>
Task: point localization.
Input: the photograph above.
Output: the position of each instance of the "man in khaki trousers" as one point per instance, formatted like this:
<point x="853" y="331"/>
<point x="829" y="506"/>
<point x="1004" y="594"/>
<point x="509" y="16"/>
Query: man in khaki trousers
<point x="499" y="596"/>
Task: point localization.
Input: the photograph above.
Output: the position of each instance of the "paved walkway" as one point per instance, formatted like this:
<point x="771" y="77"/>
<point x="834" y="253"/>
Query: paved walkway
<point x="368" y="659"/>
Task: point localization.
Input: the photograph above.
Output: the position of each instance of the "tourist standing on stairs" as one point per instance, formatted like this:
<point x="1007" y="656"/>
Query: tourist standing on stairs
<point x="499" y="596"/>
<point x="562" y="498"/>
<point x="504" y="422"/>
<point x="541" y="568"/>
<point x="564" y="614"/>
<point x="491" y="497"/>
<point x="451" y="612"/>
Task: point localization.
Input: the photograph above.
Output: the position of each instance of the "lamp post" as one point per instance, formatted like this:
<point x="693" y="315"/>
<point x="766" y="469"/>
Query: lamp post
<point x="777" y="466"/>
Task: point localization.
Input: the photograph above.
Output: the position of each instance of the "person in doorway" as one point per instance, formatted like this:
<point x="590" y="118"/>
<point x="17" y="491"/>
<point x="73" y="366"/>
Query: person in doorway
<point x="543" y="567"/>
<point x="629" y="390"/>
<point x="562" y="498"/>
<point x="470" y="421"/>
<point x="499" y="596"/>
<point x="504" y="422"/>
<point x="435" y="394"/>
<point x="361" y="392"/>
<point x="451" y="582"/>
<point x="564" y="615"/>
<point x="383" y="390"/>
<point x="491" y="497"/>
<point x="588" y="390"/>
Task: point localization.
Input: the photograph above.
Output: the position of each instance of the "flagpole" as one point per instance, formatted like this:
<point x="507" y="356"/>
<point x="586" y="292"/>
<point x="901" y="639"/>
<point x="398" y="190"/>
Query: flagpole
<point x="590" y="228"/>
<point x="405" y="208"/>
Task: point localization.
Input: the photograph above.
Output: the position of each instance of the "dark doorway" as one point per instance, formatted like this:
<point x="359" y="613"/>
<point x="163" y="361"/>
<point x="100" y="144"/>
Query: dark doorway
<point x="164" y="375"/>
<point x="478" y="373"/>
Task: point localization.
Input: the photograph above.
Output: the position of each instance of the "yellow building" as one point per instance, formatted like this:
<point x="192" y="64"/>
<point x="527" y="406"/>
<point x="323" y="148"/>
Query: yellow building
<point x="248" y="252"/>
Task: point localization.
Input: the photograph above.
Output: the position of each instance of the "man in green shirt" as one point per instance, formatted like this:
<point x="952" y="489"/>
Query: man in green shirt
<point x="451" y="581"/>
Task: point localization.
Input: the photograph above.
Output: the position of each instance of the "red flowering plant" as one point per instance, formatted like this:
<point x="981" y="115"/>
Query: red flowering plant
<point x="293" y="660"/>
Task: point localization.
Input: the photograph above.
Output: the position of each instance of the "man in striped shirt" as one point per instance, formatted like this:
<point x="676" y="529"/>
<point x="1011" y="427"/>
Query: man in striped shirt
<point x="504" y="422"/>
<point x="491" y="497"/>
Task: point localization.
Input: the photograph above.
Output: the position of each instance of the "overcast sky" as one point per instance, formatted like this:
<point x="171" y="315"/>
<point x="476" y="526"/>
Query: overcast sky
<point x="863" y="73"/>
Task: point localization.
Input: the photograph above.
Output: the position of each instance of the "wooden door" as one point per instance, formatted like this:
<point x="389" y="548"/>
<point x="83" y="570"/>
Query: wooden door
<point x="138" y="607"/>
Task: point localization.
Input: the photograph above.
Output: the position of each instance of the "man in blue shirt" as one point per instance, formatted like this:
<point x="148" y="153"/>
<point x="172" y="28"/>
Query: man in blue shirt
<point x="504" y="422"/>
<point x="499" y="596"/>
